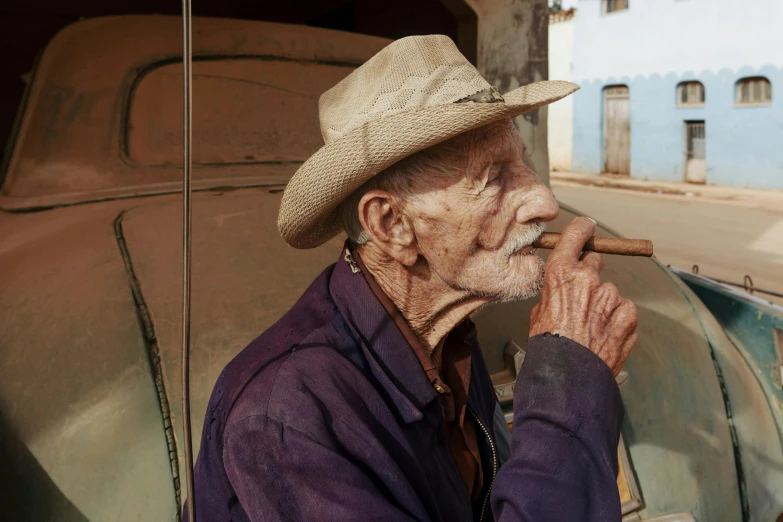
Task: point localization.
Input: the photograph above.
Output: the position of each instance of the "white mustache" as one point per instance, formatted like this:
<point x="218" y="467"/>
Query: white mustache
<point x="523" y="239"/>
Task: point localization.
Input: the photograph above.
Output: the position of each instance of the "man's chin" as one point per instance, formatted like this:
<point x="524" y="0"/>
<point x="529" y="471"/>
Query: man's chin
<point x="529" y="292"/>
<point x="522" y="280"/>
<point x="525" y="283"/>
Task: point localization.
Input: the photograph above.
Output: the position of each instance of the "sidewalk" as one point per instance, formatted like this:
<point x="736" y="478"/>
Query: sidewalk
<point x="767" y="199"/>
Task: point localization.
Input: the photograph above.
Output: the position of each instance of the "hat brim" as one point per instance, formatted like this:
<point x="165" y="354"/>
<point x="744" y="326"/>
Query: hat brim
<point x="308" y="216"/>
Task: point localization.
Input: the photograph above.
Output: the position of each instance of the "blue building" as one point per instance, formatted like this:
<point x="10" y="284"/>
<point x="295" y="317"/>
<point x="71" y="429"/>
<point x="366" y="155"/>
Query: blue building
<point x="679" y="90"/>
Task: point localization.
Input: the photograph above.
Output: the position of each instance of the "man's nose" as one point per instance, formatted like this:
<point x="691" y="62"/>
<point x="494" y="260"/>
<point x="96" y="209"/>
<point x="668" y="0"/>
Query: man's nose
<point x="539" y="205"/>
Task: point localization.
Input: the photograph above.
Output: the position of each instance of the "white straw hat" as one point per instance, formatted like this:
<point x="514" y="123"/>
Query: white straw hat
<point x="415" y="93"/>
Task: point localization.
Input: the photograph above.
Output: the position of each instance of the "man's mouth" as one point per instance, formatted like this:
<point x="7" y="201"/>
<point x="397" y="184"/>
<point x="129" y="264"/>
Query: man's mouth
<point x="521" y="244"/>
<point x="525" y="251"/>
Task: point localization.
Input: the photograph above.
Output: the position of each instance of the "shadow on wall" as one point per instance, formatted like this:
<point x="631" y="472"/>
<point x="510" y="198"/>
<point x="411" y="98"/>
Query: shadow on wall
<point x="27" y="493"/>
<point x="742" y="141"/>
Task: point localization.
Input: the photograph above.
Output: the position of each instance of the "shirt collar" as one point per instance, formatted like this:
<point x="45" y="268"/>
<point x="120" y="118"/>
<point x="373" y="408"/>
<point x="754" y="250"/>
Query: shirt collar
<point x="391" y="359"/>
<point x="407" y="332"/>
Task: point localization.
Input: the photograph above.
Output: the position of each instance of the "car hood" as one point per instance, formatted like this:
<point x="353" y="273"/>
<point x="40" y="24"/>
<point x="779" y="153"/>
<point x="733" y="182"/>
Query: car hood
<point x="81" y="435"/>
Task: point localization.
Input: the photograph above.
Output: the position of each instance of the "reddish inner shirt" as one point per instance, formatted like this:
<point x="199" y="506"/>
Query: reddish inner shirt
<point x="452" y="385"/>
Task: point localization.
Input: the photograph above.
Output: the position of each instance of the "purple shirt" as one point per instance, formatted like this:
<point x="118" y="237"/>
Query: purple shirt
<point x="328" y="415"/>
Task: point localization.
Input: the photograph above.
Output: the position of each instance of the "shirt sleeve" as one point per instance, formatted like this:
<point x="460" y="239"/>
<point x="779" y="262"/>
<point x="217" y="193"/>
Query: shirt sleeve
<point x="279" y="473"/>
<point x="567" y="417"/>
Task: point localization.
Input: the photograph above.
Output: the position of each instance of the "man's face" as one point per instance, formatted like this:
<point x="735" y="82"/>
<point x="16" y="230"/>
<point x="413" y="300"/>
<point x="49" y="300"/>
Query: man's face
<point x="474" y="227"/>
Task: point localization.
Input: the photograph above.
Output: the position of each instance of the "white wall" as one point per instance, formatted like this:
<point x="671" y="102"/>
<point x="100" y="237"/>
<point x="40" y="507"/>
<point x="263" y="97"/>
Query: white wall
<point x="676" y="36"/>
<point x="560" y="124"/>
<point x="651" y="47"/>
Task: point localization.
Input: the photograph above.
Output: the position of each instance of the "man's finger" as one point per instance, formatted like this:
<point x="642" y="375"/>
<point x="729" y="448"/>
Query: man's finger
<point x="593" y="260"/>
<point x="572" y="240"/>
<point x="628" y="314"/>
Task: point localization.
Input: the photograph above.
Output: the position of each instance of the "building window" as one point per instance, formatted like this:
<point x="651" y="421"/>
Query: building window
<point x="690" y="94"/>
<point x="754" y="91"/>
<point x="610" y="6"/>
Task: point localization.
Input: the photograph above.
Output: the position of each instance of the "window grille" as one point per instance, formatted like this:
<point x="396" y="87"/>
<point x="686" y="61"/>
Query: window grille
<point x="695" y="130"/>
<point x="690" y="94"/>
<point x="611" y="6"/>
<point x="754" y="91"/>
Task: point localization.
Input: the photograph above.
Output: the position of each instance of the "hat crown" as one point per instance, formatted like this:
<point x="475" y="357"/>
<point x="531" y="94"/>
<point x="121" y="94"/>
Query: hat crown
<point x="413" y="72"/>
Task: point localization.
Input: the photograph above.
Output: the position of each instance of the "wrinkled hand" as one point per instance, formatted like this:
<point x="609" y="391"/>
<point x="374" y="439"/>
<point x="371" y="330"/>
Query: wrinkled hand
<point x="576" y="304"/>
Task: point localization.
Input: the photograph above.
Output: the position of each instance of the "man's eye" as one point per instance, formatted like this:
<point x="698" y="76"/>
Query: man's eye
<point x="494" y="173"/>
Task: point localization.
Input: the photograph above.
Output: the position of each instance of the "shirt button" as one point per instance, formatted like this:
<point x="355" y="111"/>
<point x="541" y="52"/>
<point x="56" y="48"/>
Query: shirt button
<point x="439" y="388"/>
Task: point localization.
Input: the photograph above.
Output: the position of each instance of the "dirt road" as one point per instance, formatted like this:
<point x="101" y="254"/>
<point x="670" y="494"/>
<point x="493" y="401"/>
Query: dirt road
<point x="726" y="240"/>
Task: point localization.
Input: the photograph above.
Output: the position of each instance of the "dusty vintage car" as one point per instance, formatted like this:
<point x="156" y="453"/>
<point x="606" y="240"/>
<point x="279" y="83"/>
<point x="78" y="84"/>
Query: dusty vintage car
<point x="90" y="283"/>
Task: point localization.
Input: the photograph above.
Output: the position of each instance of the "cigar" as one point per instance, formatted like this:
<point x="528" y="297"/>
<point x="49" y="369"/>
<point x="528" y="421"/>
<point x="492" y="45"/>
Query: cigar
<point x="603" y="245"/>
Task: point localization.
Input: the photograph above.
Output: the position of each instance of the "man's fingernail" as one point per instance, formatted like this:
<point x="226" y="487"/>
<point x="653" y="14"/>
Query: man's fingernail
<point x="593" y="220"/>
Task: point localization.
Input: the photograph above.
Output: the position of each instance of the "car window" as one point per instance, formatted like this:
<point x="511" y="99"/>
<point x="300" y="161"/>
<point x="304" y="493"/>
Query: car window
<point x="245" y="110"/>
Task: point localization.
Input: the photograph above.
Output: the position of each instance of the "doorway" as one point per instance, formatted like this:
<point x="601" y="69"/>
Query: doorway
<point x="617" y="129"/>
<point x="695" y="152"/>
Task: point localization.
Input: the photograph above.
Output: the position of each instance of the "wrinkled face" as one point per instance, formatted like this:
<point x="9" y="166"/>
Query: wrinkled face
<point x="474" y="225"/>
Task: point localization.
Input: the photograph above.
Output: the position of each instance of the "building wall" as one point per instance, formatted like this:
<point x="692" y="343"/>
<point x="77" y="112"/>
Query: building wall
<point x="653" y="46"/>
<point x="560" y="128"/>
<point x="512" y="51"/>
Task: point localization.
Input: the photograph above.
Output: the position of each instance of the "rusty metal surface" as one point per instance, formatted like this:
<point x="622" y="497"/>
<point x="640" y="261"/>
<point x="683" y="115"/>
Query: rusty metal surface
<point x="72" y="140"/>
<point x="79" y="416"/>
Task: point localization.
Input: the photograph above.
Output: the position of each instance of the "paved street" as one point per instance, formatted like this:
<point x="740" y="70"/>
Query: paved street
<point x="726" y="240"/>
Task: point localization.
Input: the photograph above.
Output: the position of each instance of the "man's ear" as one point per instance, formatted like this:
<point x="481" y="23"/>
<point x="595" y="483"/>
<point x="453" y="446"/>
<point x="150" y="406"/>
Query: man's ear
<point x="381" y="216"/>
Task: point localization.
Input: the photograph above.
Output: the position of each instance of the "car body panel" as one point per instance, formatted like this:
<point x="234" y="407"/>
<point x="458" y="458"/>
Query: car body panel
<point x="245" y="277"/>
<point x="754" y="326"/>
<point x="75" y="385"/>
<point x="742" y="328"/>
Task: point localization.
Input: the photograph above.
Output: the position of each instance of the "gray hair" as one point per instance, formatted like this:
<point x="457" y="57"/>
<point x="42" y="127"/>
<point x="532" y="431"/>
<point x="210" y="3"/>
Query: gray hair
<point x="399" y="179"/>
<point x="439" y="161"/>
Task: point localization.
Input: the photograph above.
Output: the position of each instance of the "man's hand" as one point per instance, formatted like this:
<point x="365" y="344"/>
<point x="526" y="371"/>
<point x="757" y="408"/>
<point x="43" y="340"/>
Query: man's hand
<point x="576" y="304"/>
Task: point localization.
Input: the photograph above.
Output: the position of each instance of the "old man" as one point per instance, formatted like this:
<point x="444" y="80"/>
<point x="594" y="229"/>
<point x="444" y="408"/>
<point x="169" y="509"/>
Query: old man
<point x="370" y="399"/>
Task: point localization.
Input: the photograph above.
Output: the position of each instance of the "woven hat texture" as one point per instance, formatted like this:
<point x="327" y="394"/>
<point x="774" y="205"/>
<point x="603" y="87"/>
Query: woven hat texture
<point x="402" y="100"/>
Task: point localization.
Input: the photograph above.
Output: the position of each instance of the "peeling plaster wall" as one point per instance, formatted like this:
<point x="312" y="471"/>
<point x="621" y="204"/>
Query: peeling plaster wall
<point x="512" y="51"/>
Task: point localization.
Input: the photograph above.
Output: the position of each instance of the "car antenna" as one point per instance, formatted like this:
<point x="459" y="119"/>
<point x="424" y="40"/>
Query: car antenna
<point x="187" y="106"/>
